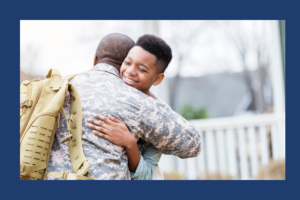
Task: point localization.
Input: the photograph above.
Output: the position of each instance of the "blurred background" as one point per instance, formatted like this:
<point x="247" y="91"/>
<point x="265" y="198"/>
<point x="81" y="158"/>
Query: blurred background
<point x="226" y="77"/>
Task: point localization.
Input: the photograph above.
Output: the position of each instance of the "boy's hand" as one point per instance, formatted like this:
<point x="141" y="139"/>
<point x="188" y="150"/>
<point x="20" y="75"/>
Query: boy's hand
<point x="113" y="130"/>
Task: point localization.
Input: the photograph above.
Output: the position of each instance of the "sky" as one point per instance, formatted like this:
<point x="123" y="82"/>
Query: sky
<point x="69" y="45"/>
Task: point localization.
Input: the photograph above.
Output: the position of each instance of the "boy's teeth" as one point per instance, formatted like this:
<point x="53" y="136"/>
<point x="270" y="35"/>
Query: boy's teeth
<point x="129" y="79"/>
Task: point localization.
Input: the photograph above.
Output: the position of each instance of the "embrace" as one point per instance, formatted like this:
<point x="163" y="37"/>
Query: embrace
<point x="125" y="127"/>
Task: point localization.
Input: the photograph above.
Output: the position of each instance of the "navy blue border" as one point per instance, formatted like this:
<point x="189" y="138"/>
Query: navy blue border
<point x="11" y="14"/>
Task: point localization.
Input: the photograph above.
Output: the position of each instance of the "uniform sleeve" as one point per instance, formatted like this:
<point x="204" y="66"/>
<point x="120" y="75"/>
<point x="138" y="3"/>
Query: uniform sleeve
<point x="169" y="132"/>
<point x="148" y="162"/>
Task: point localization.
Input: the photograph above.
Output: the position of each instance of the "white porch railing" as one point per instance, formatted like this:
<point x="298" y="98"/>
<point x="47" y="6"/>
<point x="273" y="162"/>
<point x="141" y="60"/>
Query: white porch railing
<point x="235" y="146"/>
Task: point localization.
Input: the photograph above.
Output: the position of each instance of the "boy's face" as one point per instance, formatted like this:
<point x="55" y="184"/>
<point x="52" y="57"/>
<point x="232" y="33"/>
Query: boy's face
<point x="138" y="69"/>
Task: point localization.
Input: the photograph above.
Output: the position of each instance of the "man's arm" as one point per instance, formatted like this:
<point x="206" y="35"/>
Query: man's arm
<point x="167" y="130"/>
<point x="160" y="125"/>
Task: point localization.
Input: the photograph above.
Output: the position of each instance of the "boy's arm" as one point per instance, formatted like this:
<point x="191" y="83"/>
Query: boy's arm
<point x="133" y="155"/>
<point x="147" y="164"/>
<point x="117" y="132"/>
<point x="141" y="168"/>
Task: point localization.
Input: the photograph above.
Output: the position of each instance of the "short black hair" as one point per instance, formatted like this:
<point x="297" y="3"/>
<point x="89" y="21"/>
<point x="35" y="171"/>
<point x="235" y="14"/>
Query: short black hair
<point x="113" y="49"/>
<point x="159" y="48"/>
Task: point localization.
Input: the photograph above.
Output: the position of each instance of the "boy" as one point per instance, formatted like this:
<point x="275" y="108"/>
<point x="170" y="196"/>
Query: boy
<point x="143" y="67"/>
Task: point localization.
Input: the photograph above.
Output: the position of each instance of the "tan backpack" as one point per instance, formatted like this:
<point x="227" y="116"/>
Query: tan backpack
<point x="40" y="109"/>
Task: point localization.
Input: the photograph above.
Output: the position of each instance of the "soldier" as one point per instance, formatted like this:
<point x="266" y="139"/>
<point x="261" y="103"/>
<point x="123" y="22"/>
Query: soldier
<point x="103" y="92"/>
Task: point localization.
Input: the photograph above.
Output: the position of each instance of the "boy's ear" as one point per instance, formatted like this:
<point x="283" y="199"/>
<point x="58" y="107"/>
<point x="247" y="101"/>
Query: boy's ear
<point x="158" y="79"/>
<point x="95" y="60"/>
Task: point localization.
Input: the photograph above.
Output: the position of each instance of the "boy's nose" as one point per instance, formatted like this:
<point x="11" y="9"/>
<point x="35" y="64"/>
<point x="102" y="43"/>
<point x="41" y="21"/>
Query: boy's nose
<point x="131" y="71"/>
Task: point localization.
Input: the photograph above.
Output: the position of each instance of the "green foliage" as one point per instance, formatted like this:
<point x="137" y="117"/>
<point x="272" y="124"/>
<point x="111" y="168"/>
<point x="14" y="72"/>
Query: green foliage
<point x="188" y="112"/>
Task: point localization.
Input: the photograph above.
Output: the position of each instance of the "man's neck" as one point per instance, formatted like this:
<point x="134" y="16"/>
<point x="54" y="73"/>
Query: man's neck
<point x="114" y="64"/>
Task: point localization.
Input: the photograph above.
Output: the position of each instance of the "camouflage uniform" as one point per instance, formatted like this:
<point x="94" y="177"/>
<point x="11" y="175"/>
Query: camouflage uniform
<point x="103" y="92"/>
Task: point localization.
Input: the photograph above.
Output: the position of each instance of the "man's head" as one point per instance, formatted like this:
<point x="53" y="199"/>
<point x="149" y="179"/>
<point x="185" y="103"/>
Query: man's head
<point x="113" y="49"/>
<point x="146" y="62"/>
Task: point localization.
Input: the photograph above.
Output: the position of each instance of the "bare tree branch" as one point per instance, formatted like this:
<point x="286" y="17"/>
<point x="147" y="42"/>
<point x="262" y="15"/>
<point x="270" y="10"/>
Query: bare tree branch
<point x="259" y="45"/>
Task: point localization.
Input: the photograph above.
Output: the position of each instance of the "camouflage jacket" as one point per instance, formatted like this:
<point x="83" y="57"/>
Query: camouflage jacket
<point x="103" y="92"/>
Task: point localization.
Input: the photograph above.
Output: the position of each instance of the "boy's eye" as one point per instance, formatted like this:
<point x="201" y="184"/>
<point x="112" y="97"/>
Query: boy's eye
<point x="142" y="70"/>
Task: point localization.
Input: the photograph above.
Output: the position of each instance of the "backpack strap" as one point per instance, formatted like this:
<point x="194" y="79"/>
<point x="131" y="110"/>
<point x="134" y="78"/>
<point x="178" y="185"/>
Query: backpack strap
<point x="32" y="168"/>
<point x="79" y="161"/>
<point x="69" y="176"/>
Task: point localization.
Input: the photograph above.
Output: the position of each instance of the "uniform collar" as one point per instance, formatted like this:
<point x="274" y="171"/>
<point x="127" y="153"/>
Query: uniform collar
<point x="106" y="68"/>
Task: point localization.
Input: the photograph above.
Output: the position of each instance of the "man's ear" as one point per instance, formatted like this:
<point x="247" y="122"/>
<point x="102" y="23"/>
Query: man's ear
<point x="95" y="60"/>
<point x="158" y="79"/>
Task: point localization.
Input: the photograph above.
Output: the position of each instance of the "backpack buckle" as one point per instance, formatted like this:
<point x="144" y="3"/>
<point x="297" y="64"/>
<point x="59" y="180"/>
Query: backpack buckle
<point x="25" y="102"/>
<point x="67" y="138"/>
<point x="65" y="175"/>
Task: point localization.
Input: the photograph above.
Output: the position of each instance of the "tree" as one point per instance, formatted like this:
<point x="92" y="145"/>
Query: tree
<point x="184" y="37"/>
<point x="247" y="42"/>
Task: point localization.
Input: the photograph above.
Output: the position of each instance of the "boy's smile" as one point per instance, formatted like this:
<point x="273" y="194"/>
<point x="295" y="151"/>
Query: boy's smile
<point x="138" y="69"/>
<point x="129" y="81"/>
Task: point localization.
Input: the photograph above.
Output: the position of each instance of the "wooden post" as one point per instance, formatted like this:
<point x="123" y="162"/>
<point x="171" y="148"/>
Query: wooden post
<point x="242" y="154"/>
<point x="253" y="150"/>
<point x="221" y="151"/>
<point x="211" y="150"/>
<point x="231" y="149"/>
<point x="276" y="70"/>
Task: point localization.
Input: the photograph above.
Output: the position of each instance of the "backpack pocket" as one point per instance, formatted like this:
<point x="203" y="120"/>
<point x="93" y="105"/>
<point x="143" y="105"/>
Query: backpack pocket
<point x="36" y="147"/>
<point x="29" y="95"/>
